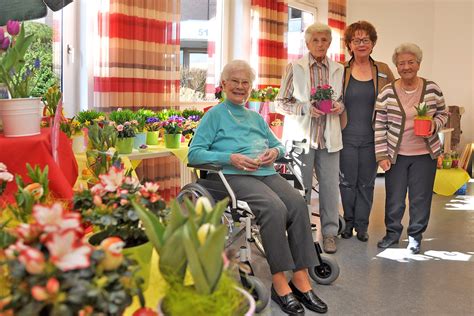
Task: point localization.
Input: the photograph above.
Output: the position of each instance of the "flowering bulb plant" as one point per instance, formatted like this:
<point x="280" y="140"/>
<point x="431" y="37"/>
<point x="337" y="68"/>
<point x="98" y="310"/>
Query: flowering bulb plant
<point x="320" y="93"/>
<point x="14" y="72"/>
<point x="126" y="129"/>
<point x="153" y="124"/>
<point x="52" y="270"/>
<point x="51" y="100"/>
<point x="107" y="205"/>
<point x="173" y="125"/>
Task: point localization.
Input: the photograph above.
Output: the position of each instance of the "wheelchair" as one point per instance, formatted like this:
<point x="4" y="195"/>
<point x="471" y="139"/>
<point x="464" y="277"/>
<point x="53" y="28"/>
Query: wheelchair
<point x="238" y="213"/>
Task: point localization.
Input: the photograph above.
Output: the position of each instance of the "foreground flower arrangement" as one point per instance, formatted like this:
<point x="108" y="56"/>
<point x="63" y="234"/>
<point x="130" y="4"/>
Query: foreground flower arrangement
<point x="53" y="270"/>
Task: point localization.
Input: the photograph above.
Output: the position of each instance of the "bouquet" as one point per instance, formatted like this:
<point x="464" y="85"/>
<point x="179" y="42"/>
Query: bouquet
<point x="53" y="271"/>
<point x="173" y="125"/>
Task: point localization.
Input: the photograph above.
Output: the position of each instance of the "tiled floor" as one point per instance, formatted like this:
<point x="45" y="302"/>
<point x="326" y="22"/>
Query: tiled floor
<point x="439" y="281"/>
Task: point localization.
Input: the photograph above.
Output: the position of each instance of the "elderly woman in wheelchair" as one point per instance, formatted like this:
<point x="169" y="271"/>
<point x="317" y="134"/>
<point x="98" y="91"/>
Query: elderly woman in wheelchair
<point x="241" y="142"/>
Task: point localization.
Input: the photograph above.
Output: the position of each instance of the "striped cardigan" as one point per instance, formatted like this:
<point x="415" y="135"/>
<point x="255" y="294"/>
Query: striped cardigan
<point x="390" y="120"/>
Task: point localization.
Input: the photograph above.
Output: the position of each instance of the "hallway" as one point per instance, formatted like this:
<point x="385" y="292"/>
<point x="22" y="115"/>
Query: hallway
<point x="438" y="281"/>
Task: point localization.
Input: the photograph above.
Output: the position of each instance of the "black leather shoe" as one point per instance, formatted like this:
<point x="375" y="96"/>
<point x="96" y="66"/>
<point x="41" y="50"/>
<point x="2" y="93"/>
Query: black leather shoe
<point x="347" y="233"/>
<point x="387" y="242"/>
<point x="288" y="303"/>
<point x="309" y="299"/>
<point x="415" y="250"/>
<point x="362" y="236"/>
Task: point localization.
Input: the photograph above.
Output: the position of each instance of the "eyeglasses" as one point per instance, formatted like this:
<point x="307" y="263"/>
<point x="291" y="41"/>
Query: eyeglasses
<point x="236" y="82"/>
<point x="358" y="41"/>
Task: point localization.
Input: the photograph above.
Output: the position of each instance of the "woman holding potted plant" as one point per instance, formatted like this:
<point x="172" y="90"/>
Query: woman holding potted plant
<point x="364" y="78"/>
<point x="409" y="161"/>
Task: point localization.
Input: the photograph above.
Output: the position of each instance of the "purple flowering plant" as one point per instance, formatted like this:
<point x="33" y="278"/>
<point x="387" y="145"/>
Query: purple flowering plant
<point x="153" y="124"/>
<point x="15" y="73"/>
<point x="173" y="125"/>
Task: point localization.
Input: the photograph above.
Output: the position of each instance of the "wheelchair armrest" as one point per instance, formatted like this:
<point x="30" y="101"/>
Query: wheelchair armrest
<point x="283" y="160"/>
<point x="206" y="167"/>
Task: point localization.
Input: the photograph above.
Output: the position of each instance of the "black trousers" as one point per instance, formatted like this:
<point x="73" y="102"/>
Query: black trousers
<point x="415" y="174"/>
<point x="357" y="177"/>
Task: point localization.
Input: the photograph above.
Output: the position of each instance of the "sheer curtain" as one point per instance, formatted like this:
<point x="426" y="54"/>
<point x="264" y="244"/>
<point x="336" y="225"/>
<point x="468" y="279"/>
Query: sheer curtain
<point x="136" y="63"/>
<point x="269" y="27"/>
<point x="337" y="22"/>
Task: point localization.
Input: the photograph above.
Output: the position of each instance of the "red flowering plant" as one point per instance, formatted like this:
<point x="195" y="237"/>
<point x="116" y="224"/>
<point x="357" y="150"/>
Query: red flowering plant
<point x="173" y="124"/>
<point x="52" y="270"/>
<point x="107" y="205"/>
<point x="320" y="93"/>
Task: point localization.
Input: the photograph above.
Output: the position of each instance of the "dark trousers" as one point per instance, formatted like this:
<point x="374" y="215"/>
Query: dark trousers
<point x="283" y="217"/>
<point x="415" y="174"/>
<point x="357" y="178"/>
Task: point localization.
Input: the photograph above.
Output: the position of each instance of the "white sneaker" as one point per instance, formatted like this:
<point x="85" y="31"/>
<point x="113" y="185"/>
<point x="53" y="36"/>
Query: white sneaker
<point x="413" y="245"/>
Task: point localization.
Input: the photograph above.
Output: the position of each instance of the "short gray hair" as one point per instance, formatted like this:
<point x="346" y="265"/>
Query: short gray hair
<point x="407" y="48"/>
<point x="237" y="65"/>
<point x="316" y="28"/>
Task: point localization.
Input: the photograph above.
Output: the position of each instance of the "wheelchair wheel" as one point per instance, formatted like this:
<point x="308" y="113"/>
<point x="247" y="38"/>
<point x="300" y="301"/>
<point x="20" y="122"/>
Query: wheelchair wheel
<point x="258" y="291"/>
<point x="342" y="225"/>
<point x="257" y="239"/>
<point x="326" y="272"/>
<point x="193" y="191"/>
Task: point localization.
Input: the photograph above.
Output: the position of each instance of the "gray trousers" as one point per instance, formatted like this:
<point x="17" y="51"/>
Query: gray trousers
<point x="357" y="178"/>
<point x="415" y="173"/>
<point x="283" y="217"/>
<point x="326" y="166"/>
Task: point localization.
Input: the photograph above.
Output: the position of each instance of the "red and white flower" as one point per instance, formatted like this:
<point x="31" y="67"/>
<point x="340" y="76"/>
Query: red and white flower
<point x="53" y="219"/>
<point x="32" y="259"/>
<point x="68" y="252"/>
<point x="112" y="180"/>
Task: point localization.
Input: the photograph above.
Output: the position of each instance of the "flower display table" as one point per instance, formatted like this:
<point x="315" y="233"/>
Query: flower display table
<point x="36" y="150"/>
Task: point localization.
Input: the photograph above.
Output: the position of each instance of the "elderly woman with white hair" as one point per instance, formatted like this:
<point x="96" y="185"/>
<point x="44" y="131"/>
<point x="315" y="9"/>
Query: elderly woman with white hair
<point x="322" y="131"/>
<point x="409" y="161"/>
<point x="232" y="136"/>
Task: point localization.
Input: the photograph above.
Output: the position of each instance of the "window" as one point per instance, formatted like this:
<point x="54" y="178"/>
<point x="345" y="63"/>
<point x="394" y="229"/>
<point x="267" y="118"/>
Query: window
<point x="298" y="21"/>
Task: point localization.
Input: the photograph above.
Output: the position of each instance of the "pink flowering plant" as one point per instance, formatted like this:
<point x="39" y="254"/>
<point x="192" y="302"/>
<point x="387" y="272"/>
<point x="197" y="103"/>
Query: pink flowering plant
<point x="15" y="73"/>
<point x="320" y="93"/>
<point x="127" y="129"/>
<point x="173" y="125"/>
<point x="52" y="270"/>
<point x="5" y="177"/>
<point x="107" y="205"/>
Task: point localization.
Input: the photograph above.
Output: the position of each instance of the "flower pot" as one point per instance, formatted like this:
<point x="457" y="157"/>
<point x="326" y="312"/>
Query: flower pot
<point x="78" y="143"/>
<point x="254" y="106"/>
<point x="152" y="138"/>
<point x="172" y="140"/>
<point x="447" y="163"/>
<point x="325" y="106"/>
<point x="21" y="117"/>
<point x="455" y="163"/>
<point x="141" y="253"/>
<point x="277" y="130"/>
<point x="422" y="127"/>
<point x="140" y="139"/>
<point x="124" y="145"/>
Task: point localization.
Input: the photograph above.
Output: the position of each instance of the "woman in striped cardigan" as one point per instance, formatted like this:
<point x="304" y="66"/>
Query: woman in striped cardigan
<point x="409" y="161"/>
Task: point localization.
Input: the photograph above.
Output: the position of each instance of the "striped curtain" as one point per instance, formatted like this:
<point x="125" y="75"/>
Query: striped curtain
<point x="269" y="54"/>
<point x="137" y="60"/>
<point x="337" y="22"/>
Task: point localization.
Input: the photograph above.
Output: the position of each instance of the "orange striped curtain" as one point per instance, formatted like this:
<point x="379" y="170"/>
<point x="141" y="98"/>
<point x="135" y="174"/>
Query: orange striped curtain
<point x="269" y="54"/>
<point x="137" y="60"/>
<point x="337" y="22"/>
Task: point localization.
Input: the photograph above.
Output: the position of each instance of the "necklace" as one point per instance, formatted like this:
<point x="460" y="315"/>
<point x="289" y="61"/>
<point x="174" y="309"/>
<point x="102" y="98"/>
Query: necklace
<point x="410" y="91"/>
<point x="239" y="121"/>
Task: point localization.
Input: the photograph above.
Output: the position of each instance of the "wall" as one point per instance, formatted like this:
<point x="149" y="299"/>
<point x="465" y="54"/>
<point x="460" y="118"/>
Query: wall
<point x="444" y="29"/>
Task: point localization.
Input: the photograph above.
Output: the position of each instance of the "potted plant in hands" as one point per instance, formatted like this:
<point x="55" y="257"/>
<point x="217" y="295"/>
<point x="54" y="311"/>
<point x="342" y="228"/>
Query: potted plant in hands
<point x="53" y="271"/>
<point x="21" y="115"/>
<point x="107" y="206"/>
<point x="423" y="122"/>
<point x="191" y="260"/>
<point x="322" y="95"/>
<point x="173" y="127"/>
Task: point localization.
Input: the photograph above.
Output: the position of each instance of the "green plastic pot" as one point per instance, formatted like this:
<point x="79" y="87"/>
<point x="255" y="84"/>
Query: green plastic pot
<point x="152" y="138"/>
<point x="124" y="145"/>
<point x="172" y="140"/>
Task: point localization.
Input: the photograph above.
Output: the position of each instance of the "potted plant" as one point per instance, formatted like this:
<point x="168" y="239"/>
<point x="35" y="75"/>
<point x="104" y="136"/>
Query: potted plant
<point x="125" y="137"/>
<point x="21" y="114"/>
<point x="277" y="127"/>
<point x="107" y="206"/>
<point x="190" y="125"/>
<point x="447" y="161"/>
<point x="53" y="271"/>
<point x="219" y="94"/>
<point x="153" y="126"/>
<point x="455" y="157"/>
<point x="191" y="260"/>
<point x="5" y="177"/>
<point x="173" y="127"/>
<point x="255" y="100"/>
<point x="140" y="135"/>
<point x="73" y="129"/>
<point x="422" y="120"/>
<point x="322" y="95"/>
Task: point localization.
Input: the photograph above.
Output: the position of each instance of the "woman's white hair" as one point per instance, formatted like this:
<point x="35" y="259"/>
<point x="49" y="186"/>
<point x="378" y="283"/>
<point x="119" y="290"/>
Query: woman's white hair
<point x="316" y="28"/>
<point x="237" y="65"/>
<point x="407" y="48"/>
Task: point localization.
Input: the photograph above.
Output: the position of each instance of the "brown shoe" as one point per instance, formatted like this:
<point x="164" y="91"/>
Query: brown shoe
<point x="329" y="244"/>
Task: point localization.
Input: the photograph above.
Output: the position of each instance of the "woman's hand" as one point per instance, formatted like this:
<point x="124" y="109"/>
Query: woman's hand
<point x="385" y="164"/>
<point x="243" y="162"/>
<point x="337" y="108"/>
<point x="269" y="156"/>
<point x="314" y="112"/>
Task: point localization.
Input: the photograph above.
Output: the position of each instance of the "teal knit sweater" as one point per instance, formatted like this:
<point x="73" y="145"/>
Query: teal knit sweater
<point x="232" y="129"/>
